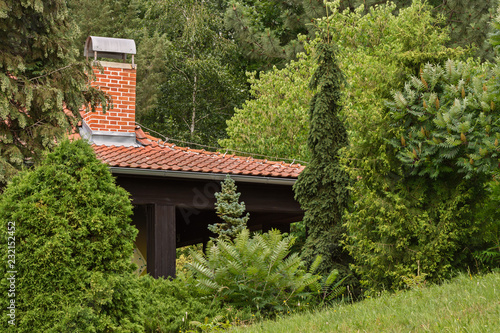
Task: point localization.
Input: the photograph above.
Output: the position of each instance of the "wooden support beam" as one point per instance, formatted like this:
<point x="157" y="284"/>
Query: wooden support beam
<point x="161" y="240"/>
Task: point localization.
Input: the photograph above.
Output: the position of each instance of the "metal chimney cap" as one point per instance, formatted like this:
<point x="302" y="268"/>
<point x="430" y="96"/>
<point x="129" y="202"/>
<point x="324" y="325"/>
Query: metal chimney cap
<point x="109" y="45"/>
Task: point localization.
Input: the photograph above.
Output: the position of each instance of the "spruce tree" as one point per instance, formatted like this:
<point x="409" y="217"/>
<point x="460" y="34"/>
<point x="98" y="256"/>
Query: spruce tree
<point x="39" y="76"/>
<point x="230" y="211"/>
<point x="321" y="188"/>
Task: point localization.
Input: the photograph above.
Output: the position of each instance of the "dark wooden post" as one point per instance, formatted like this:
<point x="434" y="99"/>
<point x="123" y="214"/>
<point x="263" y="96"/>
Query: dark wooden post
<point x="161" y="240"/>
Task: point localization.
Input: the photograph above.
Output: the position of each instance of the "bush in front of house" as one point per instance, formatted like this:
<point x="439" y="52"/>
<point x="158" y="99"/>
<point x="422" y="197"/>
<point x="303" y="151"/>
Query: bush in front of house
<point x="258" y="273"/>
<point x="171" y="305"/>
<point x="73" y="241"/>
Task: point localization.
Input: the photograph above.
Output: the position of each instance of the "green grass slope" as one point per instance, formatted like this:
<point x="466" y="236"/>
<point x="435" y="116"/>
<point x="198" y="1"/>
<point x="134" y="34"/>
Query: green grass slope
<point x="466" y="304"/>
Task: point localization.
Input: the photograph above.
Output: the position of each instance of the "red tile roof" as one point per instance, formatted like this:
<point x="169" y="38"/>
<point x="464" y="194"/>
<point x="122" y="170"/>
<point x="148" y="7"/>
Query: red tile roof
<point x="158" y="155"/>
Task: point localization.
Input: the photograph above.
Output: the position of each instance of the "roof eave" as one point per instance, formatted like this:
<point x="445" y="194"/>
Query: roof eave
<point x="202" y="176"/>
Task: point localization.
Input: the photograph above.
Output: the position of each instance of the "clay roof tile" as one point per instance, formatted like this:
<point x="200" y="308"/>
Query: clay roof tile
<point x="158" y="155"/>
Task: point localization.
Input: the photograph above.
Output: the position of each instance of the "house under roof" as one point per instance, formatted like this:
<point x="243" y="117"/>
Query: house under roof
<point x="172" y="188"/>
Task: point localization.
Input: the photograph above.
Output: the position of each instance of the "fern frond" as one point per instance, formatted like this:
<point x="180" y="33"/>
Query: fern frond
<point x="315" y="264"/>
<point x="331" y="277"/>
<point x="201" y="269"/>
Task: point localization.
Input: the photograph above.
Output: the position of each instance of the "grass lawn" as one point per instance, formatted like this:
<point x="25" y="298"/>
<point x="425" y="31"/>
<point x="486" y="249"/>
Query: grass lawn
<point x="466" y="304"/>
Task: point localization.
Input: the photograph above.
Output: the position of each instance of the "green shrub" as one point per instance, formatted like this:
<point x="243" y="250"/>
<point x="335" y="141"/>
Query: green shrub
<point x="257" y="273"/>
<point x="424" y="218"/>
<point x="489" y="255"/>
<point x="448" y="121"/>
<point x="170" y="305"/>
<point x="73" y="247"/>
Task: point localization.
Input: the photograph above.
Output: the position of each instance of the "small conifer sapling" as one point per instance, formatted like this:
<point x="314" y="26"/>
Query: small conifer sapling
<point x="230" y="211"/>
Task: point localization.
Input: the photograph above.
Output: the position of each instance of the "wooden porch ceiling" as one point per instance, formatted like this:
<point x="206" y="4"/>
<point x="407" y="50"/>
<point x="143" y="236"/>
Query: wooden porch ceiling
<point x="178" y="212"/>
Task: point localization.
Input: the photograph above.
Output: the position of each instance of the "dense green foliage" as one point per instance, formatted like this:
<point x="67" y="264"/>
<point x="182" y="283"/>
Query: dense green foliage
<point x="274" y="121"/>
<point x="321" y="188"/>
<point x="170" y="305"/>
<point x="490" y="213"/>
<point x="384" y="205"/>
<point x="230" y="212"/>
<point x="445" y="142"/>
<point x="468" y="23"/>
<point x="449" y="121"/>
<point x="267" y="30"/>
<point x="38" y="77"/>
<point x="73" y="247"/>
<point x="105" y="18"/>
<point x="375" y="65"/>
<point x="197" y="81"/>
<point x="255" y="272"/>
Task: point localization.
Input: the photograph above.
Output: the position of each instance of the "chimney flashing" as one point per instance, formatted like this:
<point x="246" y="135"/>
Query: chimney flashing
<point x="112" y="64"/>
<point x="105" y="138"/>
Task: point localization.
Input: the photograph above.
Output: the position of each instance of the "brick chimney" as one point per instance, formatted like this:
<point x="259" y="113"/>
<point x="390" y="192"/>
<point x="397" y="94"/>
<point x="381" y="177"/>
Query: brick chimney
<point x="116" y="126"/>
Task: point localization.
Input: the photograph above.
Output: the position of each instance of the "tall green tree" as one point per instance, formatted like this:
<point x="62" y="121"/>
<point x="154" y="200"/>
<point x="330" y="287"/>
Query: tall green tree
<point x="321" y="188"/>
<point x="39" y="77"/>
<point x="200" y="85"/>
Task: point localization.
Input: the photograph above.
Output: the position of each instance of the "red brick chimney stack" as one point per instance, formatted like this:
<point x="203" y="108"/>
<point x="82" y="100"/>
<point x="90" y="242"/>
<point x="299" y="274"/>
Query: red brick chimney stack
<point x="118" y="80"/>
<point x="116" y="127"/>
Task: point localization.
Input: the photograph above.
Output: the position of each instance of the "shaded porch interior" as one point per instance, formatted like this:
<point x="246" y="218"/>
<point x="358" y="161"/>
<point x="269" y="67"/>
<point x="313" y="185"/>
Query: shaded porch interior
<point x="171" y="213"/>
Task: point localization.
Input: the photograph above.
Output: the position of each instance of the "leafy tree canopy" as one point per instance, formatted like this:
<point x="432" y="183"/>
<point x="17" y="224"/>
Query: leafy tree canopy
<point x="199" y="85"/>
<point x="274" y="122"/>
<point x="267" y="30"/>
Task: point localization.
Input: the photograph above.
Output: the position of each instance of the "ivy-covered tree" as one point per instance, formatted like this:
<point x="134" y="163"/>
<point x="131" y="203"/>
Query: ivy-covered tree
<point x="321" y="188"/>
<point x="69" y="226"/>
<point x="230" y="211"/>
<point x="39" y="77"/>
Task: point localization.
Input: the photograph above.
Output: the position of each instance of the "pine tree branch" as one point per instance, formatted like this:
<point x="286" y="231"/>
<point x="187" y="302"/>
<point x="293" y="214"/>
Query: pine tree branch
<point x="50" y="73"/>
